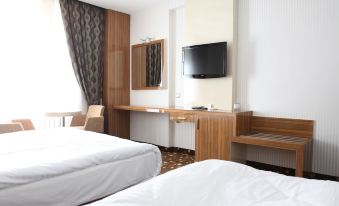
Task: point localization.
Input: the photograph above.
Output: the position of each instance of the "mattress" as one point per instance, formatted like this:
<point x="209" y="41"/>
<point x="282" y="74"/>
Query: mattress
<point x="217" y="182"/>
<point x="68" y="166"/>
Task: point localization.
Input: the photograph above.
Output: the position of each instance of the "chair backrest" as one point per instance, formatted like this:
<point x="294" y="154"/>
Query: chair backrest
<point x="12" y="127"/>
<point x="95" y="124"/>
<point x="95" y="111"/>
<point x="94" y="118"/>
<point x="26" y="123"/>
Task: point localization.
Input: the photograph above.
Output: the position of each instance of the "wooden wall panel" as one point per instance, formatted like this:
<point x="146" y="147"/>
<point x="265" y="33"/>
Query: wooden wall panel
<point x="117" y="72"/>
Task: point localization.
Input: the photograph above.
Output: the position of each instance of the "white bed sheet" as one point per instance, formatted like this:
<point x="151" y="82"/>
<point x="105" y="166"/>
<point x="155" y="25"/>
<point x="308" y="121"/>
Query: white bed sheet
<point x="216" y="182"/>
<point x="69" y="166"/>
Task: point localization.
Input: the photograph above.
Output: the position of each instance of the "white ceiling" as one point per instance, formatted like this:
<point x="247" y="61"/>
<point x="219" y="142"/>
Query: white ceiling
<point x="126" y="6"/>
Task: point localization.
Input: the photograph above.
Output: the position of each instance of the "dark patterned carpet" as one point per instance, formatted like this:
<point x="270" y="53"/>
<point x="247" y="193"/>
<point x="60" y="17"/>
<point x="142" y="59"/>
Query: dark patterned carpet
<point x="174" y="158"/>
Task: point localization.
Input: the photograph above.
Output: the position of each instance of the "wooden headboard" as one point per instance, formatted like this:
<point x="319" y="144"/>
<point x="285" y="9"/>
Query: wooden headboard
<point x="282" y="126"/>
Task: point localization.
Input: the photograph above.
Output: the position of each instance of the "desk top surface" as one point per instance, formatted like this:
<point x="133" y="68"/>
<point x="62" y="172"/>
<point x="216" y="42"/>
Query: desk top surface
<point x="156" y="109"/>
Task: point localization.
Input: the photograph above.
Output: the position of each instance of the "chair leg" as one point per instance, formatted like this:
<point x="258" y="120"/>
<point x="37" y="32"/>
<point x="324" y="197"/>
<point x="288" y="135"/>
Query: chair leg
<point x="299" y="162"/>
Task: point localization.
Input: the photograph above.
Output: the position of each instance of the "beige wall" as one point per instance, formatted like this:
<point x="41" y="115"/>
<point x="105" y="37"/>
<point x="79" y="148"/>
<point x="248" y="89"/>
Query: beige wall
<point x="207" y="22"/>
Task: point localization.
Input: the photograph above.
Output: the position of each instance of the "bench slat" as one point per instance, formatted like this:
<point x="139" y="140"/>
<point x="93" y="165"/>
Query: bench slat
<point x="282" y="138"/>
<point x="272" y="140"/>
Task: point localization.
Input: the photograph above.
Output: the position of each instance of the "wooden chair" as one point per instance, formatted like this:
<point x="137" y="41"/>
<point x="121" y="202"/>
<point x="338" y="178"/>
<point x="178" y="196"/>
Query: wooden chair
<point x="26" y="123"/>
<point x="92" y="121"/>
<point x="11" y="127"/>
<point x="280" y="133"/>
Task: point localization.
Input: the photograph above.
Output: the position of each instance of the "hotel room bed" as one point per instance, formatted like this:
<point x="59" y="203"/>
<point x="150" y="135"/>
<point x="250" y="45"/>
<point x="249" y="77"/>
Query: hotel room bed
<point x="68" y="166"/>
<point x="222" y="183"/>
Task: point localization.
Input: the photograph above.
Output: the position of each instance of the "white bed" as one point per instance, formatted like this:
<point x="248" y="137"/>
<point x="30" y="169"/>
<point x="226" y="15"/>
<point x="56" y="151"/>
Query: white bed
<point x="216" y="183"/>
<point x="68" y="166"/>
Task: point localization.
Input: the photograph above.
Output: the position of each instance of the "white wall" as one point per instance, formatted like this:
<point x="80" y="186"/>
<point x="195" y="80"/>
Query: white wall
<point x="289" y="67"/>
<point x="153" y="22"/>
<point x="208" y="22"/>
<point x="183" y="134"/>
<point x="177" y="41"/>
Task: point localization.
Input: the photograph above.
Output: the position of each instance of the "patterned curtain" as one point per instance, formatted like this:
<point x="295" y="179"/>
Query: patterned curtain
<point x="84" y="26"/>
<point x="153" y="65"/>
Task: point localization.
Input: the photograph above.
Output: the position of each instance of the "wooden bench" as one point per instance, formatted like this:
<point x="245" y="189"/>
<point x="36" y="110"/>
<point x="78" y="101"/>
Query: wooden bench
<point x="287" y="134"/>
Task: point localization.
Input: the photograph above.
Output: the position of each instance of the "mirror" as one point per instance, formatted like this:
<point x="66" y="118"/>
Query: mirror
<point x="148" y="66"/>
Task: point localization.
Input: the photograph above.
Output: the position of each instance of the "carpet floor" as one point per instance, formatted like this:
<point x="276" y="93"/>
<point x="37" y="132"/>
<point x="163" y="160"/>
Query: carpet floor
<point x="173" y="158"/>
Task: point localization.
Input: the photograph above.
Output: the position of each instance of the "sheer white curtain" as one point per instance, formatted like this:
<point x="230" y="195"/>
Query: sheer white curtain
<point x="36" y="74"/>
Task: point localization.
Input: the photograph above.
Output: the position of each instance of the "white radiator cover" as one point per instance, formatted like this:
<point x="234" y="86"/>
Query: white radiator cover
<point x="157" y="129"/>
<point x="184" y="135"/>
<point x="50" y="122"/>
<point x="288" y="66"/>
<point x="150" y="128"/>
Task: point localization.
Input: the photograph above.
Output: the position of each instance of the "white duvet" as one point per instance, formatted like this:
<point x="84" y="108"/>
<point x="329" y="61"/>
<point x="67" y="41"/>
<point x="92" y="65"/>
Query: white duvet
<point x="216" y="182"/>
<point x="31" y="156"/>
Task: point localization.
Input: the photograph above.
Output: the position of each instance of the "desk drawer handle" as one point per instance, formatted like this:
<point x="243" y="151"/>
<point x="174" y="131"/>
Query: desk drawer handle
<point x="180" y="118"/>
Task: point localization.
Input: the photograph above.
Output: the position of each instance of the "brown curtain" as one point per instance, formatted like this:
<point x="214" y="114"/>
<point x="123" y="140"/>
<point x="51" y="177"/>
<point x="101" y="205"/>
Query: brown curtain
<point x="84" y="27"/>
<point x="153" y="65"/>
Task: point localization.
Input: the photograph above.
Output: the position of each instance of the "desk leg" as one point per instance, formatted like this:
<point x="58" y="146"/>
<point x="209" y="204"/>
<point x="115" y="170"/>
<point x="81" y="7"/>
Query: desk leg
<point x="299" y="162"/>
<point x="63" y="121"/>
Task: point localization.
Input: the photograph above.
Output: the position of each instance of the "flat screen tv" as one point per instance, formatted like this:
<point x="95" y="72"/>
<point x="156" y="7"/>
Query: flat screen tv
<point x="205" y="61"/>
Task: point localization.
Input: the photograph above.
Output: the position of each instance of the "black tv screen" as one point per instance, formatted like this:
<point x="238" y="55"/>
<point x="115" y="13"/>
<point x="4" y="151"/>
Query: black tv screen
<point x="205" y="61"/>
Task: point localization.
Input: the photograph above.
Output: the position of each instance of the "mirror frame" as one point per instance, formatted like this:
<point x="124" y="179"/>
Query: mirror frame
<point x="138" y="66"/>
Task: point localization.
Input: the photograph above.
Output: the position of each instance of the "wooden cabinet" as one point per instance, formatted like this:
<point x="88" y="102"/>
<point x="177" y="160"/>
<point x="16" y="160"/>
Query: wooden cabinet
<point x="213" y="134"/>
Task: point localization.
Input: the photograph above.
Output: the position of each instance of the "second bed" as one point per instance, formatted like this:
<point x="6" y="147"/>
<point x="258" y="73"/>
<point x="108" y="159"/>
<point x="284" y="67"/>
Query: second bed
<point x="223" y="183"/>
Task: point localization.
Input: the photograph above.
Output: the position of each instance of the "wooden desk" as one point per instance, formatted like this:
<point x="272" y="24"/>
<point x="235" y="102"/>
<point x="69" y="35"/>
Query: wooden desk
<point x="216" y="130"/>
<point x="213" y="129"/>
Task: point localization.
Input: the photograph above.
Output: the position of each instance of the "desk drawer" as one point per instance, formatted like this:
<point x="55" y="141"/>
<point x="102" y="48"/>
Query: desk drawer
<point x="182" y="117"/>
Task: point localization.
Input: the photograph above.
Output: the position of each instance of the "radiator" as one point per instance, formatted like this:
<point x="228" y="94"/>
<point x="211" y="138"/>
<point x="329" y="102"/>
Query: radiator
<point x="159" y="130"/>
<point x="184" y="135"/>
<point x="150" y="128"/>
<point x="50" y="122"/>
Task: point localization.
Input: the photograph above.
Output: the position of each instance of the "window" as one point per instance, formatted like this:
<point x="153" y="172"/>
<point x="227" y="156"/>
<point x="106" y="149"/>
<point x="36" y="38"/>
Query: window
<point x="36" y="74"/>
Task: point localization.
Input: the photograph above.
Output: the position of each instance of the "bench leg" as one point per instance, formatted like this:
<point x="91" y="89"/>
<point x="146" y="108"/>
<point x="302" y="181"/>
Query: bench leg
<point x="299" y="162"/>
